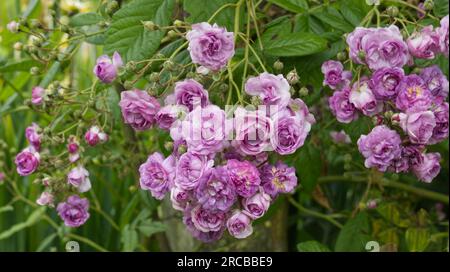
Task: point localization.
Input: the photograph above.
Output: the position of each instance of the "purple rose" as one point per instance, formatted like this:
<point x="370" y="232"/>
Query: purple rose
<point x="138" y="109"/>
<point x="334" y="74"/>
<point x="384" y="47"/>
<point x="106" y="69"/>
<point x="244" y="176"/>
<point x="190" y="168"/>
<point x="157" y="174"/>
<point x="413" y="93"/>
<point x="239" y="225"/>
<point x="271" y="89"/>
<point x="215" y="190"/>
<point x="411" y="155"/>
<point x="206" y="237"/>
<point x="341" y="107"/>
<point x="46" y="199"/>
<point x="436" y="82"/>
<point x="424" y="44"/>
<point x="179" y="198"/>
<point x="167" y="115"/>
<point x="27" y="161"/>
<point x="384" y="82"/>
<point x="362" y="97"/>
<point x="256" y="205"/>
<point x="74" y="211"/>
<point x="210" y="46"/>
<point x="253" y="132"/>
<point x="421" y="12"/>
<point x="278" y="178"/>
<point x="33" y="137"/>
<point x="188" y="93"/>
<point x="79" y="178"/>
<point x="429" y="168"/>
<point x="354" y="42"/>
<point x="380" y="147"/>
<point x="94" y="136"/>
<point x="440" y="131"/>
<point x="442" y="31"/>
<point x="418" y="125"/>
<point x="340" y="137"/>
<point x="37" y="95"/>
<point x="206" y="220"/>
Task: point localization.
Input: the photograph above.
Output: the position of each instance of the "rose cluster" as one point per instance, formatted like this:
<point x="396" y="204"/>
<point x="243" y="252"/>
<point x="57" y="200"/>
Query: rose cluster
<point x="410" y="110"/>
<point x="218" y="173"/>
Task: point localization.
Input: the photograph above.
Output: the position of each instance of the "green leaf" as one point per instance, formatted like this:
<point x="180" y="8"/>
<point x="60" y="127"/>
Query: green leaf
<point x="201" y="11"/>
<point x="149" y="227"/>
<point x="296" y="6"/>
<point x="417" y="239"/>
<point x="295" y="44"/>
<point x="129" y="239"/>
<point x="83" y="19"/>
<point x="46" y="242"/>
<point x="33" y="218"/>
<point x="309" y="166"/>
<point x="128" y="36"/>
<point x="354" y="235"/>
<point x="6" y="208"/>
<point x="22" y="65"/>
<point x="334" y="18"/>
<point x="440" y="8"/>
<point x="354" y="11"/>
<point x="308" y="23"/>
<point x="312" y="246"/>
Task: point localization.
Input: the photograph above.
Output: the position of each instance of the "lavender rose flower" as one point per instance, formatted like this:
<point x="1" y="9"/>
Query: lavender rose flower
<point x="215" y="190"/>
<point x="94" y="136"/>
<point x="384" y="47"/>
<point x="190" y="168"/>
<point x="384" y="82"/>
<point x="354" y="42"/>
<point x="33" y="137"/>
<point x="74" y="211"/>
<point x="413" y="93"/>
<point x="157" y="174"/>
<point x="37" y="95"/>
<point x="244" y="176"/>
<point x="442" y="31"/>
<point x="418" y="125"/>
<point x="429" y="168"/>
<point x="107" y="69"/>
<point x="180" y="198"/>
<point x="256" y="205"/>
<point x="340" y="137"/>
<point x="440" y="131"/>
<point x="278" y="178"/>
<point x="411" y="156"/>
<point x="334" y="74"/>
<point x="206" y="220"/>
<point x="424" y="44"/>
<point x="271" y="89"/>
<point x="79" y="178"/>
<point x="206" y="237"/>
<point x="138" y="109"/>
<point x="436" y="82"/>
<point x="210" y="46"/>
<point x="27" y="161"/>
<point x="341" y="107"/>
<point x="46" y="199"/>
<point x="361" y="96"/>
<point x="239" y="225"/>
<point x="380" y="147"/>
<point x="188" y="93"/>
<point x="167" y="115"/>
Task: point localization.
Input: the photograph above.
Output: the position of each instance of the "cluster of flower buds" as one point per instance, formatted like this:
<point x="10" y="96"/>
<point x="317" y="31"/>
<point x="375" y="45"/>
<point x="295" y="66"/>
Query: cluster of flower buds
<point x="409" y="110"/>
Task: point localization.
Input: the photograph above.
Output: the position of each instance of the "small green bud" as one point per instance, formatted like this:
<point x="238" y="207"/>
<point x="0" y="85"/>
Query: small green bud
<point x="292" y="91"/>
<point x="34" y="70"/>
<point x="168" y="145"/>
<point x="428" y="5"/>
<point x="130" y="66"/>
<point x="256" y="101"/>
<point x="169" y="65"/>
<point x="132" y="188"/>
<point x="128" y="85"/>
<point x="154" y="77"/>
<point x="417" y="70"/>
<point x="216" y="76"/>
<point x="303" y="92"/>
<point x="150" y="25"/>
<point x="178" y="23"/>
<point x="392" y="11"/>
<point x="112" y="7"/>
<point x="18" y="46"/>
<point x="172" y="34"/>
<point x="388" y="114"/>
<point x="292" y="77"/>
<point x="278" y="65"/>
<point x="341" y="56"/>
<point x="362" y="55"/>
<point x="182" y="149"/>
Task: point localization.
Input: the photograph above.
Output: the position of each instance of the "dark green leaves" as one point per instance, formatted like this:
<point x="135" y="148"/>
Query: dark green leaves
<point x="355" y="234"/>
<point x="22" y="65"/>
<point x="296" y="6"/>
<point x="440" y="8"/>
<point x="201" y="11"/>
<point x="83" y="19"/>
<point x="128" y="36"/>
<point x="312" y="246"/>
<point x="309" y="164"/>
<point x="295" y="44"/>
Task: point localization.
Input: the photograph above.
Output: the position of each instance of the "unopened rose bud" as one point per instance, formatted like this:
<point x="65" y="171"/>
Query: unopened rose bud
<point x="18" y="46"/>
<point x="341" y="56"/>
<point x="172" y="34"/>
<point x="154" y="77"/>
<point x="130" y="66"/>
<point x="132" y="188"/>
<point x="178" y="23"/>
<point x="303" y="92"/>
<point x="128" y="85"/>
<point x="112" y="7"/>
<point x="395" y="119"/>
<point x="34" y="70"/>
<point x="256" y="101"/>
<point x="292" y="77"/>
<point x="169" y="65"/>
<point x="168" y="145"/>
<point x="388" y="114"/>
<point x="278" y="65"/>
<point x="428" y="4"/>
<point x="182" y="149"/>
<point x="150" y="25"/>
<point x="362" y="55"/>
<point x="417" y="70"/>
<point x="392" y="11"/>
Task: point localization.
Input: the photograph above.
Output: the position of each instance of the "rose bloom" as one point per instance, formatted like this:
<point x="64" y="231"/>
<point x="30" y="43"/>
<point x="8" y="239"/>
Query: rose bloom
<point x="37" y="95"/>
<point x="206" y="220"/>
<point x="74" y="211"/>
<point x="340" y="137"/>
<point x="380" y="147"/>
<point x="204" y="236"/>
<point x="354" y="42"/>
<point x="429" y="168"/>
<point x="188" y="93"/>
<point x="239" y="225"/>
<point x="384" y="47"/>
<point x="215" y="190"/>
<point x="418" y="125"/>
<point x="27" y="161"/>
<point x="244" y="176"/>
<point x="180" y="198"/>
<point x="271" y="89"/>
<point x="157" y="174"/>
<point x="106" y="69"/>
<point x="190" y="168"/>
<point x="411" y="156"/>
<point x="138" y="109"/>
<point x="210" y="46"/>
<point x="361" y="96"/>
<point x="384" y="82"/>
<point x="424" y="44"/>
<point x="412" y="93"/>
<point x="442" y="31"/>
<point x="440" y="131"/>
<point x="169" y="114"/>
<point x="94" y="136"/>
<point x="341" y="107"/>
<point x="256" y="205"/>
<point x="334" y="74"/>
<point x="32" y="135"/>
<point x="278" y="178"/>
<point x="46" y="199"/>
<point x="436" y="82"/>
<point x="253" y="132"/>
<point x="79" y="178"/>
